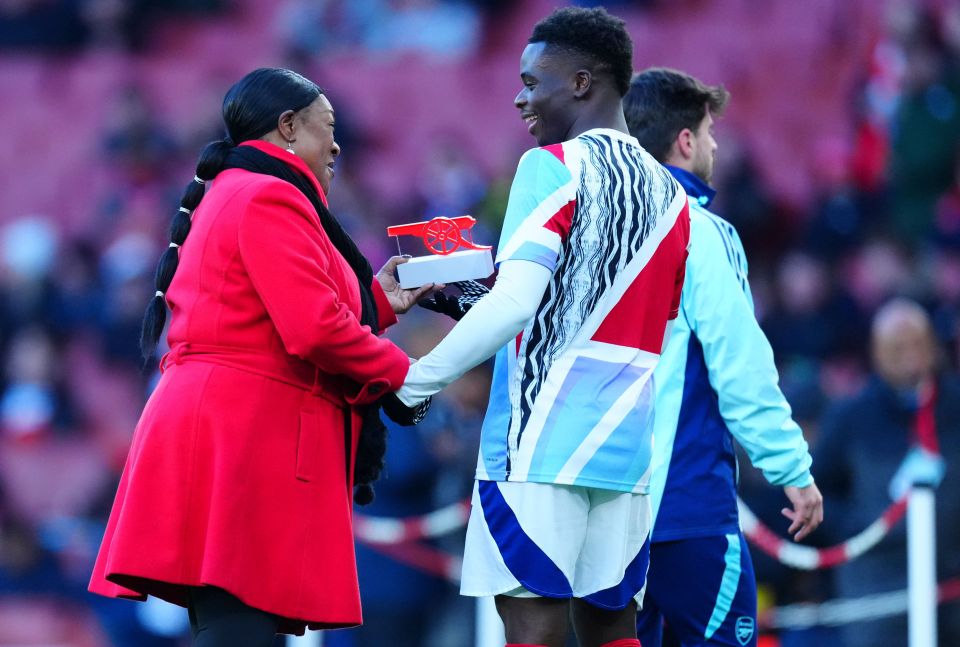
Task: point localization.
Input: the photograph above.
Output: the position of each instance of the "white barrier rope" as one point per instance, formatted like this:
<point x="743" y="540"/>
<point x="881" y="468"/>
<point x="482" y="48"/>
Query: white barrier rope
<point x="834" y="613"/>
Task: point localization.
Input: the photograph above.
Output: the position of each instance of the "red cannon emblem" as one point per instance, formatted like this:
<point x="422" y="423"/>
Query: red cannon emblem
<point x="441" y="235"/>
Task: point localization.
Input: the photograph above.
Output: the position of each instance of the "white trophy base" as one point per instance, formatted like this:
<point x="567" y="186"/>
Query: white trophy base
<point x="458" y="266"/>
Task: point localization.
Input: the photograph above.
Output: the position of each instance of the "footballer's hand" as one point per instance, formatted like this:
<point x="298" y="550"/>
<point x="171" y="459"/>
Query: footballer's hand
<point x="807" y="512"/>
<point x="456" y="307"/>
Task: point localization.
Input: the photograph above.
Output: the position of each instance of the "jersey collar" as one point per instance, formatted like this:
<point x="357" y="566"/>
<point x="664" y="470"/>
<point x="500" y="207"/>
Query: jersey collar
<point x="694" y="186"/>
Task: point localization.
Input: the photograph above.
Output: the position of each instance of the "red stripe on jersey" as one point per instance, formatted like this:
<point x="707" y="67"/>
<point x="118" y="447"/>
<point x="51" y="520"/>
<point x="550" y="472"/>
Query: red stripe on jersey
<point x="639" y="319"/>
<point x="555" y="149"/>
<point x="561" y="221"/>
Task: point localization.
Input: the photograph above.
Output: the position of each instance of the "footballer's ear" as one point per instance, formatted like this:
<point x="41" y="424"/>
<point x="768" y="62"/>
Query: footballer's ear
<point x="582" y="81"/>
<point x="683" y="145"/>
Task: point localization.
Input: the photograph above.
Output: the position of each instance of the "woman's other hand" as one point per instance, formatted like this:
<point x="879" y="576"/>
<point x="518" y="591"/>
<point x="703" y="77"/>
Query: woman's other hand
<point x="402" y="300"/>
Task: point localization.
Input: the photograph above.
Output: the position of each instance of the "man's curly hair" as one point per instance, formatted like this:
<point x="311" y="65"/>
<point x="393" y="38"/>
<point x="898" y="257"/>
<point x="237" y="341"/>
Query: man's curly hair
<point x="594" y="34"/>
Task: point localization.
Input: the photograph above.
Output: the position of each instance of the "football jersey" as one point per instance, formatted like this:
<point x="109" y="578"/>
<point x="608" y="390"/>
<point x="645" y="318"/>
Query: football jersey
<point x="572" y="397"/>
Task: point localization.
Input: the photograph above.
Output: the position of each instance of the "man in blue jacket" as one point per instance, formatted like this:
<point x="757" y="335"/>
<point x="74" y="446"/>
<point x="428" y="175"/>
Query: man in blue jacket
<point x="716" y="383"/>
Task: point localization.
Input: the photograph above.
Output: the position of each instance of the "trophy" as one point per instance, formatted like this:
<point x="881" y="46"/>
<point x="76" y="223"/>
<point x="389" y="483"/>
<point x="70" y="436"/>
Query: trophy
<point x="453" y="254"/>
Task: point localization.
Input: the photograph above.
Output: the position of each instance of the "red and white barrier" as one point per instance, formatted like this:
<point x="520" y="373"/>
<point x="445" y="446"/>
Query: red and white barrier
<point x="809" y="559"/>
<point x="380" y="530"/>
<point x="399" y="539"/>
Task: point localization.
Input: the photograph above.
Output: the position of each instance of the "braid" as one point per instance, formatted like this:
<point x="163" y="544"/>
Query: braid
<point x="212" y="160"/>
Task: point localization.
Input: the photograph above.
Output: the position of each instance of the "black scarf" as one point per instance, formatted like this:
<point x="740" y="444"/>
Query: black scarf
<point x="371" y="445"/>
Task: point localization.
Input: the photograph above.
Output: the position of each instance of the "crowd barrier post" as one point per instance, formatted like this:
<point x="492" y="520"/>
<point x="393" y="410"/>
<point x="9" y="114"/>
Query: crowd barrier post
<point x="922" y="566"/>
<point x="308" y="639"/>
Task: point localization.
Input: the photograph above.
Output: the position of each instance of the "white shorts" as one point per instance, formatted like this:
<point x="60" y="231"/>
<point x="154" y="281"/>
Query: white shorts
<point x="558" y="541"/>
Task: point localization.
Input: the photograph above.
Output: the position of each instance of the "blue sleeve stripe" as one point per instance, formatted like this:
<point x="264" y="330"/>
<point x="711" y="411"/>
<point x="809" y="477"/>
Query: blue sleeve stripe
<point x="539" y="254"/>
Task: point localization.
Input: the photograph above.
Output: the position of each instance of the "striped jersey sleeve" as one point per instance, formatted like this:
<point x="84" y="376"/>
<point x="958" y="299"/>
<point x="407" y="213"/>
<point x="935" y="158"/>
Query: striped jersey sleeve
<point x="540" y="209"/>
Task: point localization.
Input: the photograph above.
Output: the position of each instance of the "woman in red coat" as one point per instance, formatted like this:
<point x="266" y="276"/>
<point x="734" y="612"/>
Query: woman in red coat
<point x="236" y="497"/>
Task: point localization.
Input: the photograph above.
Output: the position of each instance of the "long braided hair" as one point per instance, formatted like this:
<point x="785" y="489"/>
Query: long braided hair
<point x="251" y="109"/>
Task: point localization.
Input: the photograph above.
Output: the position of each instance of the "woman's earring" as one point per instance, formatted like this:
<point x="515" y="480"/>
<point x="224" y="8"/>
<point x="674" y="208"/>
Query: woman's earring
<point x="290" y="147"/>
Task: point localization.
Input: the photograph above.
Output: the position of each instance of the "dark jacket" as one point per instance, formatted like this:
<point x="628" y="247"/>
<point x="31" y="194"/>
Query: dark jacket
<point x="863" y="441"/>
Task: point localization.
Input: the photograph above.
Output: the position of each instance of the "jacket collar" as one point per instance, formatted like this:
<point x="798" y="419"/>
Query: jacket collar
<point x="290" y="158"/>
<point x="695" y="187"/>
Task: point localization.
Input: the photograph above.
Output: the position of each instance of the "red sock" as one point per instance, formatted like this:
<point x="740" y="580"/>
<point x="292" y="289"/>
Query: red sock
<point x="623" y="642"/>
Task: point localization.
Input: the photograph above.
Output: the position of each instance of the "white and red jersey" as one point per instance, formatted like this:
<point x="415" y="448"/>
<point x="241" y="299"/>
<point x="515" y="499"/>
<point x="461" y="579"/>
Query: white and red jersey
<point x="572" y="397"/>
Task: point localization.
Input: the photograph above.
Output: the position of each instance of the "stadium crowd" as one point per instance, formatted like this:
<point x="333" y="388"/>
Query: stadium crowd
<point x="854" y="206"/>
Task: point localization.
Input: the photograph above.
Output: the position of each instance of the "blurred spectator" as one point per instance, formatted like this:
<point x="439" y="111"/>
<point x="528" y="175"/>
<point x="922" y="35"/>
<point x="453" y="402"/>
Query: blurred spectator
<point x="945" y="277"/>
<point x="909" y="403"/>
<point x="946" y="227"/>
<point x="25" y="566"/>
<point x="837" y="224"/>
<point x="126" y="274"/>
<point x="307" y="27"/>
<point x="926" y="128"/>
<point x="70" y="308"/>
<point x="41" y="25"/>
<point x="744" y="200"/>
<point x="450" y="183"/>
<point x="449" y="28"/>
<point x="135" y="141"/>
<point x="808" y="320"/>
<point x="34" y="400"/>
<point x="78" y="294"/>
<point x="875" y="272"/>
<point x="28" y="247"/>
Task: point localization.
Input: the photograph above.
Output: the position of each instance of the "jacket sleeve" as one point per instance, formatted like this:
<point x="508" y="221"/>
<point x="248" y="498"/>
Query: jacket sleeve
<point x="739" y="359"/>
<point x="385" y="314"/>
<point x="281" y="246"/>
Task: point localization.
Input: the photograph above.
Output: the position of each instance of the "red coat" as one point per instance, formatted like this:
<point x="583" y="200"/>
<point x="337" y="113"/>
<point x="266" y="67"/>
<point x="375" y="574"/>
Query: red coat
<point x="240" y="470"/>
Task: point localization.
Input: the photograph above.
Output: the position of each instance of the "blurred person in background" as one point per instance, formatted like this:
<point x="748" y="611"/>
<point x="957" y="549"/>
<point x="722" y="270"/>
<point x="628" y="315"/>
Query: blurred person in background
<point x="809" y="318"/>
<point x="136" y="141"/>
<point x="33" y="398"/>
<point x="716" y="383"/>
<point x="591" y="262"/>
<point x="909" y="405"/>
<point x="28" y="250"/>
<point x="925" y="132"/>
<point x="235" y="499"/>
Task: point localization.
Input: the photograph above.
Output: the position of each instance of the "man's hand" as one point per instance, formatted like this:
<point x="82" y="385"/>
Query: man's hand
<point x="401" y="300"/>
<point x="807" y="512"/>
<point x="455" y="308"/>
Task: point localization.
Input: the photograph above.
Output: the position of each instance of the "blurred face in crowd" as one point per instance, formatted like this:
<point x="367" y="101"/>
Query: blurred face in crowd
<point x="547" y="100"/>
<point x="312" y="131"/>
<point x="904" y="350"/>
<point x="704" y="149"/>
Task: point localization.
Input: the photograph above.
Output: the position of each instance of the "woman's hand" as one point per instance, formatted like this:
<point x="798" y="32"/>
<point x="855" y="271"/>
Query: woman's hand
<point x="401" y="300"/>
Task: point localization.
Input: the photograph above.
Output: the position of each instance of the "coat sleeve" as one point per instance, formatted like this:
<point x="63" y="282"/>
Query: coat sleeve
<point x="281" y="247"/>
<point x="738" y="356"/>
<point x="387" y="317"/>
